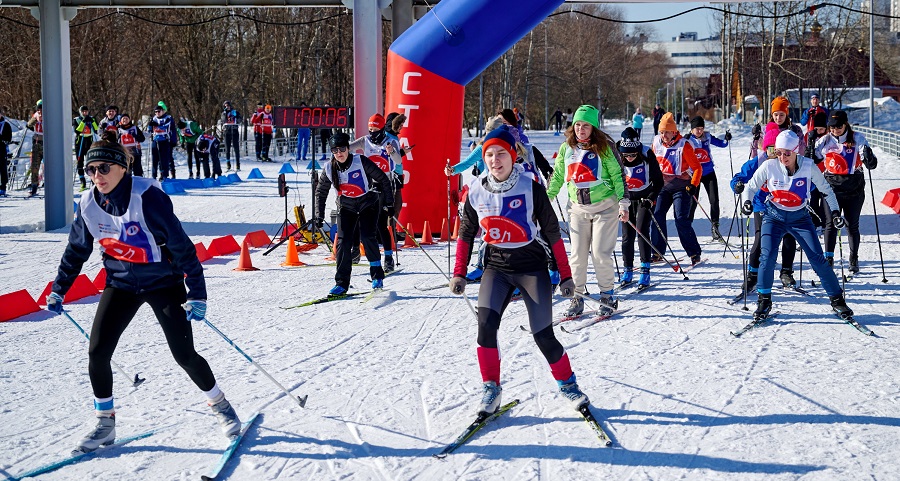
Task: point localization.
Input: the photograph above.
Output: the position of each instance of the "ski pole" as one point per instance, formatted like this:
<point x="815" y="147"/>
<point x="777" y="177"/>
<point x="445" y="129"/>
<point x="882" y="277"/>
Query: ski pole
<point x="877" y="232"/>
<point x="841" y="253"/>
<point x="298" y="400"/>
<point x="137" y="381"/>
<point x="654" y="247"/>
<point x="666" y="240"/>
<point x="744" y="266"/>
<point x="747" y="242"/>
<point x="561" y="213"/>
<point x="730" y="159"/>
<point x="710" y="221"/>
<point x="737" y="199"/>
<point x="409" y="234"/>
<point x="800" y="280"/>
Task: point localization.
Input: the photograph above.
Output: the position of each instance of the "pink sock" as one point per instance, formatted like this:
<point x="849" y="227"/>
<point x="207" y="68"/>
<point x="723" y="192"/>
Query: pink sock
<point x="561" y="369"/>
<point x="489" y="362"/>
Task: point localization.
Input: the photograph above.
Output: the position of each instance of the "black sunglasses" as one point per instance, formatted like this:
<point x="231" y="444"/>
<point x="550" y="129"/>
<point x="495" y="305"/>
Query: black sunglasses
<point x="338" y="149"/>
<point x="103" y="169"/>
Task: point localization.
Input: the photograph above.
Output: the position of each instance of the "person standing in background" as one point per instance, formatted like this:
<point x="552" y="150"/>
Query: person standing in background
<point x="637" y="122"/>
<point x="229" y="121"/>
<point x="85" y="127"/>
<point x="557" y="119"/>
<point x="304" y="135"/>
<point x="324" y="135"/>
<point x="266" y="128"/>
<point x="131" y="137"/>
<point x="256" y="123"/>
<point x="657" y="114"/>
<point x="5" y="139"/>
<point x="163" y="138"/>
<point x="188" y="133"/>
<point x="110" y="122"/>
<point x="36" y="123"/>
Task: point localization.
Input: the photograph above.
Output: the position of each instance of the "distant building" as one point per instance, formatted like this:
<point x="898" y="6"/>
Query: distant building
<point x="702" y="57"/>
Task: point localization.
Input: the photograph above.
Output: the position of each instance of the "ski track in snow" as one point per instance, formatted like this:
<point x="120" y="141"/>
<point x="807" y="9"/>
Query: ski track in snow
<point x="390" y="382"/>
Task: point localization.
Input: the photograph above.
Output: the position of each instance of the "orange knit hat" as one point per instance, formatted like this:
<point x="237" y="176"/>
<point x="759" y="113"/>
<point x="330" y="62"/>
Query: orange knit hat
<point x="780" y="104"/>
<point x="667" y="123"/>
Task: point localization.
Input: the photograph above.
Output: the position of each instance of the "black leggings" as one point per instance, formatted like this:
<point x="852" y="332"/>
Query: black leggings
<point x="851" y="206"/>
<point x="788" y="247"/>
<point x="494" y="295"/>
<point x="640" y="217"/>
<point x="352" y="225"/>
<point x="711" y="184"/>
<point x="116" y="310"/>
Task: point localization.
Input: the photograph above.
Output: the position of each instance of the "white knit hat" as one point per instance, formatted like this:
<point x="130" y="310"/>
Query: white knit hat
<point x="787" y="140"/>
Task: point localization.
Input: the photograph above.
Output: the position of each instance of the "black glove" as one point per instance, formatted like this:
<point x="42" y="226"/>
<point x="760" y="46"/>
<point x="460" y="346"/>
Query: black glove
<point x="868" y="158"/>
<point x="692" y="190"/>
<point x="739" y="187"/>
<point x="747" y="208"/>
<point x="317" y="221"/>
<point x="727" y="135"/>
<point x="836" y="220"/>
<point x="88" y="120"/>
<point x="757" y="131"/>
<point x="646" y="203"/>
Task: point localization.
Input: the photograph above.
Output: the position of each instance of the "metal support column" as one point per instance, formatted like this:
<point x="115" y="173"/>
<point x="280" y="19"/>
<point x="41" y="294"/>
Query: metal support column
<point x="401" y="17"/>
<point x="368" y="90"/>
<point x="56" y="91"/>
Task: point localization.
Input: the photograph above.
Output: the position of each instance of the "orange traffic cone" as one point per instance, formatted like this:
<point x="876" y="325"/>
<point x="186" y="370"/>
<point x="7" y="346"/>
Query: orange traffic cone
<point x="455" y="229"/>
<point x="445" y="234"/>
<point x="291" y="259"/>
<point x="244" y="263"/>
<point x="409" y="237"/>
<point x="426" y="235"/>
<point x="333" y="255"/>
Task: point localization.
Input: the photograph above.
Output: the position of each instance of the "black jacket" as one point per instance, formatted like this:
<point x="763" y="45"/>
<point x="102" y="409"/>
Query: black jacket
<point x="178" y="252"/>
<point x="380" y="188"/>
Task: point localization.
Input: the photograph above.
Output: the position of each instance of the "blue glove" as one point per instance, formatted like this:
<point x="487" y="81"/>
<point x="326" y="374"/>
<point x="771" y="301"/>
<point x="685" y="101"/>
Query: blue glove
<point x="54" y="303"/>
<point x="195" y="309"/>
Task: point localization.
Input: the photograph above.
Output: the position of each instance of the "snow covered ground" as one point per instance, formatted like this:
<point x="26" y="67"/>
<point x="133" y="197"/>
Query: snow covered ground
<point x="391" y="381"/>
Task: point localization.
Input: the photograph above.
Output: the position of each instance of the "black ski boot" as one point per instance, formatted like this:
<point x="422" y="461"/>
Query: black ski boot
<point x="34" y="188"/>
<point x="854" y="266"/>
<point x="763" y="307"/>
<point x="716" y="236"/>
<point x="840" y="307"/>
<point x="751" y="281"/>
<point x="695" y="259"/>
<point x="787" y="278"/>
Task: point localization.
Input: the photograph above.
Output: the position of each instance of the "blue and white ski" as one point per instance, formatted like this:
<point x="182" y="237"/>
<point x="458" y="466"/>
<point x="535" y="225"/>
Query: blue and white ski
<point x="78" y="456"/>
<point x="227" y="455"/>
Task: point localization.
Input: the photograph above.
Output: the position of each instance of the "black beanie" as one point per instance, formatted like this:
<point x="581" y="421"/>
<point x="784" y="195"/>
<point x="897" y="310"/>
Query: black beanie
<point x="820" y="119"/>
<point x="510" y="117"/>
<point x="631" y="142"/>
<point x="106" y="154"/>
<point x="697" y="122"/>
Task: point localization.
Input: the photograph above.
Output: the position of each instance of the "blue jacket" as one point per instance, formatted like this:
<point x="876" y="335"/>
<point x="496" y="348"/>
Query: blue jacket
<point x="179" y="253"/>
<point x="473" y="159"/>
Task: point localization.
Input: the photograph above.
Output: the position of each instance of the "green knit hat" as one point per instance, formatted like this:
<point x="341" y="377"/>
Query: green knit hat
<point x="589" y="114"/>
<point x="162" y="105"/>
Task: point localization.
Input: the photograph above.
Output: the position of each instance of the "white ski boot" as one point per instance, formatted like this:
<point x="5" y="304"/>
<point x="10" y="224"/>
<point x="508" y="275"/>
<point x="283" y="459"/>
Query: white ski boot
<point x="228" y="419"/>
<point x="490" y="400"/>
<point x="103" y="434"/>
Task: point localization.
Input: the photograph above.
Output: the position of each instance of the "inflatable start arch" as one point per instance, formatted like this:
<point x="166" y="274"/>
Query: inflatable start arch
<point x="428" y="68"/>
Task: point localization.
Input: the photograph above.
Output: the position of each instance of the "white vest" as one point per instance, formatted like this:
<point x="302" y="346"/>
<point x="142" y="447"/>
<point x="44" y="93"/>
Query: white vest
<point x="637" y="178"/>
<point x="583" y="168"/>
<point x="354" y="182"/>
<point x="669" y="158"/>
<point x="841" y="159"/>
<point x="507" y="219"/>
<point x="126" y="237"/>
<point x="378" y="154"/>
<point x="790" y="193"/>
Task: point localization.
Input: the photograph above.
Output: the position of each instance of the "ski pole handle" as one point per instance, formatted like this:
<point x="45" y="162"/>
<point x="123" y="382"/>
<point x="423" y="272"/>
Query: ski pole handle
<point x="297" y="399"/>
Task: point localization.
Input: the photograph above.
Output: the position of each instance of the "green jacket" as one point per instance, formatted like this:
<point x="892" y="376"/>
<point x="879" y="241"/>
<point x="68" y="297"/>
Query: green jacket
<point x="611" y="177"/>
<point x="195" y="130"/>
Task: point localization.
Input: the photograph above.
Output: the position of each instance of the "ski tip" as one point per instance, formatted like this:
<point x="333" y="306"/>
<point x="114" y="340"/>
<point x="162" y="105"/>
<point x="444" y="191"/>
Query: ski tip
<point x="440" y="456"/>
<point x="206" y="478"/>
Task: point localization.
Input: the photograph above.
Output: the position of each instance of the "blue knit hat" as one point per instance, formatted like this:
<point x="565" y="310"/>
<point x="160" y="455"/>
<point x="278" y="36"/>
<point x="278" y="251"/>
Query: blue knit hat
<point x="501" y="137"/>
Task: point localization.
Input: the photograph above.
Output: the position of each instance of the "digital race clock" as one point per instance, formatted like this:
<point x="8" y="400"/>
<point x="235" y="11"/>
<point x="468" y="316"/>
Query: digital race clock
<point x="313" y="117"/>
